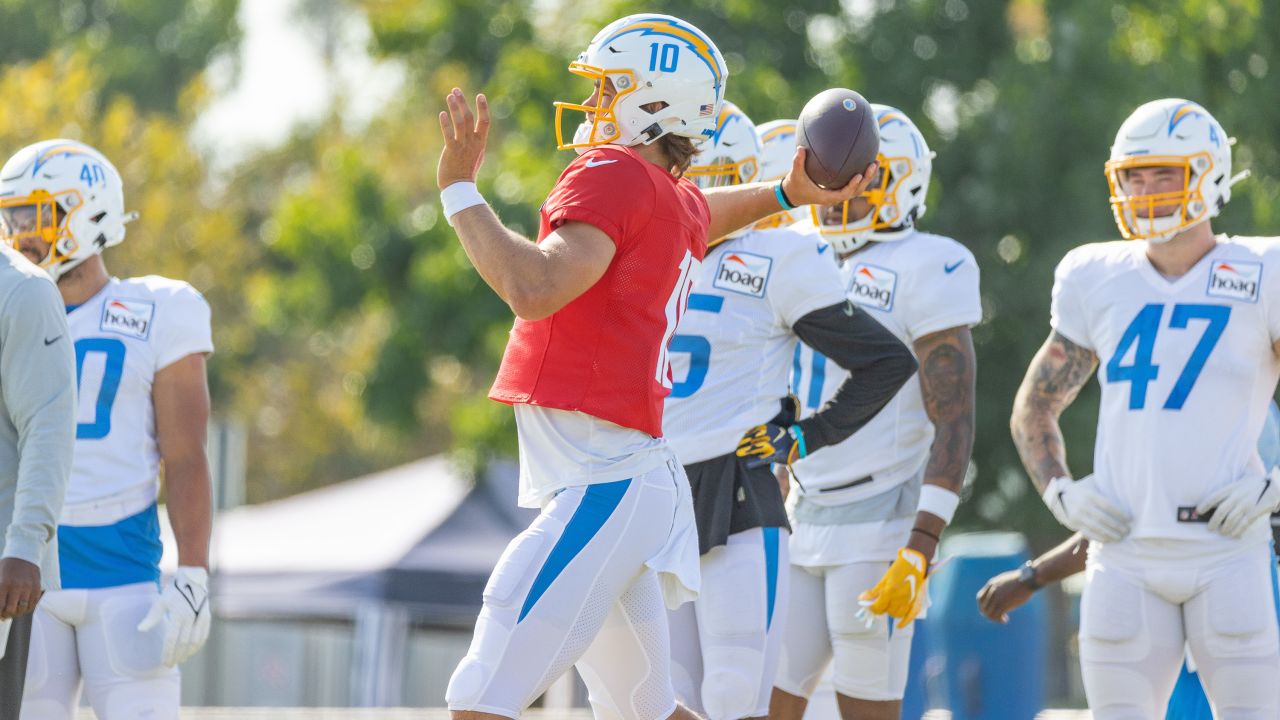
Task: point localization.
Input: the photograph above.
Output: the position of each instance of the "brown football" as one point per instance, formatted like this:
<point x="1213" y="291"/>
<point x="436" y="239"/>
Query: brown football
<point x="839" y="132"/>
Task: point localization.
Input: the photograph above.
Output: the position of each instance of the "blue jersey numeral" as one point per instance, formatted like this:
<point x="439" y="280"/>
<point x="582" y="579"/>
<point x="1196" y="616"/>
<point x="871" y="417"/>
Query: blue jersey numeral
<point x="817" y="378"/>
<point x="698" y="347"/>
<point x="1143" y="331"/>
<point x="113" y="370"/>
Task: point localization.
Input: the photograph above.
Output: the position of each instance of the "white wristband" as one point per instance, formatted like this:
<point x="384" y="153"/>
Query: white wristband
<point x="458" y="197"/>
<point x="937" y="500"/>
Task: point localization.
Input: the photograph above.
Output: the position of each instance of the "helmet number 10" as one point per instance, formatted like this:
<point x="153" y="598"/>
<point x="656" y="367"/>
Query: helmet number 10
<point x="664" y="57"/>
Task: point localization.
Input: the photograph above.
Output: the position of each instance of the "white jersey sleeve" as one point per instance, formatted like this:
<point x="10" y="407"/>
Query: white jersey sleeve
<point x="184" y="326"/>
<point x="1067" y="314"/>
<point x="811" y="281"/>
<point x="944" y="293"/>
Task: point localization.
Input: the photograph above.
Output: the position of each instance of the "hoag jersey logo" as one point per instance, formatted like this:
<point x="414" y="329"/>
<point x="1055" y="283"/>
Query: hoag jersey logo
<point x="128" y="317"/>
<point x="1235" y="279"/>
<point x="873" y="286"/>
<point x="743" y="273"/>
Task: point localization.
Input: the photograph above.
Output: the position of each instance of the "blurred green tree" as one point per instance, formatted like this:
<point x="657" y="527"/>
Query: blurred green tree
<point x="148" y="50"/>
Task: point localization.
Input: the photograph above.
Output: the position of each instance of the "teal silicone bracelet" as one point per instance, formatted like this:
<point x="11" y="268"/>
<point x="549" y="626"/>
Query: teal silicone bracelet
<point x="782" y="197"/>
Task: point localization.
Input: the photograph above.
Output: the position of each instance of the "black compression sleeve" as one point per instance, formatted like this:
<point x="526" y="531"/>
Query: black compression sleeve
<point x="878" y="364"/>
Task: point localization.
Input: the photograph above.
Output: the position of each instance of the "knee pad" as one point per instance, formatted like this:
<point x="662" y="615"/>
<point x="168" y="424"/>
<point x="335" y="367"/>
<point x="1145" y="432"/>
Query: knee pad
<point x="730" y="694"/>
<point x="157" y="698"/>
<point x="467" y="684"/>
<point x="870" y="662"/>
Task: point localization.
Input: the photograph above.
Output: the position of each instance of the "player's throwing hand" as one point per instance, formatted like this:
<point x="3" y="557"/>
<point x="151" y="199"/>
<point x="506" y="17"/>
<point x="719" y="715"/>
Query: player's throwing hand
<point x="465" y="136"/>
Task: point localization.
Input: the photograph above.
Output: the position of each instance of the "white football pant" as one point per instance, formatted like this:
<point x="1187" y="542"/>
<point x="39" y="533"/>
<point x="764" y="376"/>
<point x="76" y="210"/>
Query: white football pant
<point x="822" y="625"/>
<point x="1136" y="621"/>
<point x="725" y="646"/>
<point x="577" y="588"/>
<point x="89" y="639"/>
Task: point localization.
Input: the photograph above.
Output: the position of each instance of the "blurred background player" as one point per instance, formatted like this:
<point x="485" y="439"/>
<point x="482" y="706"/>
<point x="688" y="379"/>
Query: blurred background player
<point x="777" y="150"/>
<point x="621" y="238"/>
<point x="757" y="291"/>
<point x="1010" y="590"/>
<point x="37" y="433"/>
<point x="140" y="348"/>
<point x="870" y="510"/>
<point x="1187" y="326"/>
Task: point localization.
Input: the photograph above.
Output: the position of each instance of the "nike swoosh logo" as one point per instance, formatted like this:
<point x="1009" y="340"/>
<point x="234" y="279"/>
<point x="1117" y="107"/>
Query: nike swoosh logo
<point x="55" y="339"/>
<point x="598" y="163"/>
<point x="822" y="248"/>
<point x="189" y="594"/>
<point x="1265" y="487"/>
<point x="952" y="267"/>
<point x="848" y="308"/>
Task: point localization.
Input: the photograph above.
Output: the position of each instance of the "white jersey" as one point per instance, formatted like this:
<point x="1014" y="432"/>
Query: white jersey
<point x="915" y="286"/>
<point x="730" y="354"/>
<point x="123" y="336"/>
<point x="1187" y="371"/>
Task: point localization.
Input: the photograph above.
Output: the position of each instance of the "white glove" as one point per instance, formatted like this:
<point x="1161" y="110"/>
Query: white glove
<point x="183" y="605"/>
<point x="1237" y="506"/>
<point x="1079" y="506"/>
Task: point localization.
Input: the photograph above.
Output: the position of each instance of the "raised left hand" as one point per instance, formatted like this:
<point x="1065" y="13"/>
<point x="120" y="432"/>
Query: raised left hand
<point x="901" y="592"/>
<point x="465" y="137"/>
<point x="801" y="190"/>
<point x="183" y="606"/>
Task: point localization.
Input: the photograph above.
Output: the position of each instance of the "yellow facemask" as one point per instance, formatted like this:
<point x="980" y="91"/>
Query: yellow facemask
<point x="604" y="122"/>
<point x="1156" y="215"/>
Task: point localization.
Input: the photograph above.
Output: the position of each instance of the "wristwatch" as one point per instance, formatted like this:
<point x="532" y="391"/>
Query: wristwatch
<point x="1027" y="576"/>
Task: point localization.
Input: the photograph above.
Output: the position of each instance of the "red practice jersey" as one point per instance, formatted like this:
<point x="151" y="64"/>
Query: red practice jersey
<point x="605" y="353"/>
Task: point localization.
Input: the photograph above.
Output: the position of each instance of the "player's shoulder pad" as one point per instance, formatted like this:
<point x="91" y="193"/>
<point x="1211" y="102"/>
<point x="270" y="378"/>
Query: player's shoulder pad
<point x="1096" y="255"/>
<point x="1264" y="248"/>
<point x="930" y="251"/>
<point x="610" y="160"/>
<point x="163" y="289"/>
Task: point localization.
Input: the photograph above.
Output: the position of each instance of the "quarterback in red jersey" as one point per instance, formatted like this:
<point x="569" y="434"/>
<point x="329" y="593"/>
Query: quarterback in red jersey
<point x="596" y="300"/>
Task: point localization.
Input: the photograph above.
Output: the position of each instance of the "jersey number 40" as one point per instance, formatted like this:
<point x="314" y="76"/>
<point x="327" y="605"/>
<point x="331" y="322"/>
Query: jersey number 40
<point x="1142" y="332"/>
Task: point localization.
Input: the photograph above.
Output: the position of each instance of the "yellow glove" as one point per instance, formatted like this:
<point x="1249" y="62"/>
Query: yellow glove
<point x="901" y="592"/>
<point x="771" y="443"/>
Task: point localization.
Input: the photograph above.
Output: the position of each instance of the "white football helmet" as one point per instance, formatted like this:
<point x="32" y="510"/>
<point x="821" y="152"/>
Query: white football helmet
<point x="66" y="195"/>
<point x="730" y="157"/>
<point x="650" y="59"/>
<point x="1170" y="133"/>
<point x="896" y="200"/>
<point x="778" y="143"/>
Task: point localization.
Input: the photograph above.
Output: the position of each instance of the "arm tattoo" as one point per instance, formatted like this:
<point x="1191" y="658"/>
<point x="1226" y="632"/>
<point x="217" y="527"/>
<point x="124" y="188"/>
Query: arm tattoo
<point x="1053" y="380"/>
<point x="947" y="368"/>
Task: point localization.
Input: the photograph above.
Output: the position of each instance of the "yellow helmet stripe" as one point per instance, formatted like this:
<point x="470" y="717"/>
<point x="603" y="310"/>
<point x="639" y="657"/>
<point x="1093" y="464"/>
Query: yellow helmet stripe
<point x="779" y="131"/>
<point x="55" y="150"/>
<point x="1183" y="111"/>
<point x="889" y="117"/>
<point x="700" y="45"/>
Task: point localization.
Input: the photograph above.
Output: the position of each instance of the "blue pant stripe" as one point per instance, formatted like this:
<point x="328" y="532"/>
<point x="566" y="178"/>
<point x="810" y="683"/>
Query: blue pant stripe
<point x="770" y="571"/>
<point x="597" y="505"/>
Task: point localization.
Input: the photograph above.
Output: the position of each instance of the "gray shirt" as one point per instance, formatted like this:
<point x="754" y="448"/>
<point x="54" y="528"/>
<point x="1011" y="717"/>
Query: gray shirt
<point x="37" y="413"/>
